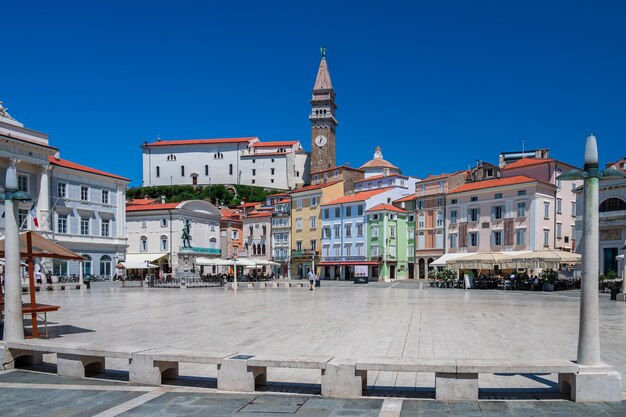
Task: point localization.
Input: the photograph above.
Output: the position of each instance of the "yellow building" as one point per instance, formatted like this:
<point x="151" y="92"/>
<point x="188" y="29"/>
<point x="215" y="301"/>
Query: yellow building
<point x="306" y="224"/>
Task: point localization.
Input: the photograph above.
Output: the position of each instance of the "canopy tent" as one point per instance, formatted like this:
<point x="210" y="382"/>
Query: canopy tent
<point x="448" y="257"/>
<point x="33" y="245"/>
<point x="263" y="262"/>
<point x="478" y="260"/>
<point x="213" y="262"/>
<point x="541" y="259"/>
<point x="142" y="260"/>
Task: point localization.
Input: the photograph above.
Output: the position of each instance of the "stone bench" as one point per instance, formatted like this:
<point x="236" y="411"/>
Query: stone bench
<point x="150" y="367"/>
<point x="73" y="359"/>
<point x="245" y="372"/>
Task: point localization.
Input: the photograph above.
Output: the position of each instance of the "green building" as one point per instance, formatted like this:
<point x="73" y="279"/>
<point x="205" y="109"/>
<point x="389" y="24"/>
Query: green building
<point x="408" y="204"/>
<point x="387" y="241"/>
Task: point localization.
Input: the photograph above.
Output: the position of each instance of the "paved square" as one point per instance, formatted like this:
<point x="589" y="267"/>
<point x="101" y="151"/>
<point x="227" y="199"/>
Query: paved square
<point x="343" y="319"/>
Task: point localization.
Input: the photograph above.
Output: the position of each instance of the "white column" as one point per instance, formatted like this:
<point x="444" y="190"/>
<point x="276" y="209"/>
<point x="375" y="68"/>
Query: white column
<point x="120" y="210"/>
<point x="43" y="200"/>
<point x="13" y="326"/>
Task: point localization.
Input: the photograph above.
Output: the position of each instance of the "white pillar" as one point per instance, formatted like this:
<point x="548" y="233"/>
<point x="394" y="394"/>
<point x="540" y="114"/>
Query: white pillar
<point x="80" y="274"/>
<point x="43" y="200"/>
<point x="13" y="326"/>
<point x="589" y="326"/>
<point x="120" y="210"/>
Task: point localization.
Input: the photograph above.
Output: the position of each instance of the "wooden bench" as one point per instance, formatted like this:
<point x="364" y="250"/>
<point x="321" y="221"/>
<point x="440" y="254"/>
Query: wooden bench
<point x="150" y="367"/>
<point x="245" y="372"/>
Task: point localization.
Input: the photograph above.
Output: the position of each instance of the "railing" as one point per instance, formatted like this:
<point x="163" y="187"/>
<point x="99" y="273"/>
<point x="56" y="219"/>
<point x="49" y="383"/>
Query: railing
<point x="207" y="251"/>
<point x="189" y="282"/>
<point x="306" y="252"/>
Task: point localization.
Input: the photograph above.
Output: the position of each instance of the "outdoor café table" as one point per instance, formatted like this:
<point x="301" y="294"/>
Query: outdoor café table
<point x="37" y="309"/>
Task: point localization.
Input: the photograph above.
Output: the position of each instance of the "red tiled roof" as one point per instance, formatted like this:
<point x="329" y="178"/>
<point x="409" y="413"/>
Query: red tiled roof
<point x="499" y="182"/>
<point x="340" y="167"/>
<point x="140" y="201"/>
<point x="441" y="176"/>
<point x="277" y="195"/>
<point x="409" y="197"/>
<point x="251" y="204"/>
<point x="315" y="187"/>
<point x="386" y="207"/>
<point x="360" y="196"/>
<point x="159" y="206"/>
<point x="273" y="144"/>
<point x="378" y="163"/>
<point x="525" y="162"/>
<point x="73" y="165"/>
<point x="201" y="141"/>
<point x="259" y="214"/>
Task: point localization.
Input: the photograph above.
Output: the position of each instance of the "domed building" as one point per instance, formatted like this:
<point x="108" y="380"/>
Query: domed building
<point x="379" y="166"/>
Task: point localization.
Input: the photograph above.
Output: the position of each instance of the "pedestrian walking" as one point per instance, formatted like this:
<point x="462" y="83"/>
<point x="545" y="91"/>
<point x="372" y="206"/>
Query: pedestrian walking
<point x="311" y="276"/>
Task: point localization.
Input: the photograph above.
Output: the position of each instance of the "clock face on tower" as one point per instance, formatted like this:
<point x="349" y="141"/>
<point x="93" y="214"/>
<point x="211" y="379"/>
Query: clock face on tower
<point x="320" y="140"/>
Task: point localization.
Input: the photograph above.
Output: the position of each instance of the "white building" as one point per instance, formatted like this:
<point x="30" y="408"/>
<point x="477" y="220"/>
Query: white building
<point x="80" y="207"/>
<point x="248" y="161"/>
<point x="155" y="234"/>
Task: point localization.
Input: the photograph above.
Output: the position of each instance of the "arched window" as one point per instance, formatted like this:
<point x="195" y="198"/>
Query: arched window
<point x="421" y="240"/>
<point x="420" y="221"/>
<point x="253" y="249"/>
<point x="105" y="265"/>
<point x="263" y="249"/>
<point x="158" y="172"/>
<point x="612" y="204"/>
<point x="163" y="243"/>
<point x="213" y="243"/>
<point x="439" y="239"/>
<point x="439" y="218"/>
<point x="143" y="244"/>
<point x="86" y="265"/>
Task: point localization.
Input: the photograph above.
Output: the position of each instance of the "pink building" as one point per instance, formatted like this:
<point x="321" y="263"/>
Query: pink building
<point x="504" y="214"/>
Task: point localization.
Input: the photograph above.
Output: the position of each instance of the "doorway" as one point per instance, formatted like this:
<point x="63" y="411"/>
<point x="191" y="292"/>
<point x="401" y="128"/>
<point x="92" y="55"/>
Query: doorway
<point x="392" y="271"/>
<point x="411" y="271"/>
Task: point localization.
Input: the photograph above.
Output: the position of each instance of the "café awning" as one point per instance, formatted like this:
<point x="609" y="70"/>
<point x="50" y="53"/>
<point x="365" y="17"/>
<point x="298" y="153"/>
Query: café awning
<point x="41" y="248"/>
<point x="143" y="260"/>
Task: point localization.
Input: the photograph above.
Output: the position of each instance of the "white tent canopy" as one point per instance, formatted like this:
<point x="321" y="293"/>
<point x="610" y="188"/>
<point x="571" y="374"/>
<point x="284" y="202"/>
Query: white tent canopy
<point x="448" y="257"/>
<point x="142" y="260"/>
<point x="213" y="262"/>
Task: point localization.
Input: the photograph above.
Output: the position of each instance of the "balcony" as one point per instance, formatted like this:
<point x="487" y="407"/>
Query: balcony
<point x="305" y="252"/>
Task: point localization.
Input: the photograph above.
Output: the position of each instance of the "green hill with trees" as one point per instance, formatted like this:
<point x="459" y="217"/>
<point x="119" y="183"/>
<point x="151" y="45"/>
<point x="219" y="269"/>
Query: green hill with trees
<point x="216" y="194"/>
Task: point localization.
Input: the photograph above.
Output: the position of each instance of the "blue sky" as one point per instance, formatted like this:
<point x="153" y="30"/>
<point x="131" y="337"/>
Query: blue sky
<point x="438" y="84"/>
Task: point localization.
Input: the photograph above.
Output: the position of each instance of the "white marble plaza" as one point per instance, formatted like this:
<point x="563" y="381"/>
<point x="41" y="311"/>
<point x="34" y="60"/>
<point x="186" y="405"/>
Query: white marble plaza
<point x="341" y="319"/>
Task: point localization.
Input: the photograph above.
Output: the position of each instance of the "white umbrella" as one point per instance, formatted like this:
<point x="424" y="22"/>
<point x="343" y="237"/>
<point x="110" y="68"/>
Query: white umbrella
<point x="213" y="262"/>
<point x="266" y="262"/>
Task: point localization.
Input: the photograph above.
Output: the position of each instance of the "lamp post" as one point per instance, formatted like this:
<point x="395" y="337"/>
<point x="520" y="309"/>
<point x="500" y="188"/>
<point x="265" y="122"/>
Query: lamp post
<point x="13" y="326"/>
<point x="589" y="324"/>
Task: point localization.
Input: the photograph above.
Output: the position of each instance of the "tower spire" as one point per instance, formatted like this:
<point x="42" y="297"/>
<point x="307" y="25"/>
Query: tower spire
<point x="322" y="82"/>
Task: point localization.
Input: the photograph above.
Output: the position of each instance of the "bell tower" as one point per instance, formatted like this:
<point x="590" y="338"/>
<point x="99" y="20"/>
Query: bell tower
<point x="323" y="120"/>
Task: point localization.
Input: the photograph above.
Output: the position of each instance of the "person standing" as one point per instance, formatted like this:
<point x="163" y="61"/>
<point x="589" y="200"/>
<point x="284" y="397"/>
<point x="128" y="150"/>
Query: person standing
<point x="311" y="276"/>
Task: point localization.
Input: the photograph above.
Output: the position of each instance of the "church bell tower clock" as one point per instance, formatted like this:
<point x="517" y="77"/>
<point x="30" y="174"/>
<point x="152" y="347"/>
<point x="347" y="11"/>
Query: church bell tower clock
<point x="323" y="120"/>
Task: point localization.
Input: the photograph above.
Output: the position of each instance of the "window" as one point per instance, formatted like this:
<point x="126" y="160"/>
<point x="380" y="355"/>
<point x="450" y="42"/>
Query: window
<point x="411" y="218"/>
<point x="496" y="238"/>
<point x="520" y="237"/>
<point x="326" y="213"/>
<point x="62" y="189"/>
<point x="182" y="170"/>
<point x="298" y="245"/>
<point x="143" y="244"/>
<point x="349" y="211"/>
<point x="348" y="228"/>
<point x="472" y="239"/>
<point x="439" y="239"/>
<point x="264" y="229"/>
<point x="420" y="204"/>
<point x="521" y="192"/>
<point x="105" y="265"/>
<point x="453" y="241"/>
<point x="298" y="203"/>
<point x="326" y="232"/>
<point x="158" y="172"/>
<point x="421" y="222"/>
<point x="254" y="172"/>
<point x="22" y="182"/>
<point x="235" y="234"/>
<point x="359" y="229"/>
<point x="374" y="250"/>
<point x="497" y="196"/>
<point x="250" y="230"/>
<point x="559" y="228"/>
<point x="230" y="169"/>
<point x="313" y="222"/>
<point x="439" y="218"/>
<point x="392" y="251"/>
<point x="84" y="193"/>
<point x="612" y="204"/>
<point x="337" y="230"/>
<point x="421" y="240"/>
<point x="164" y="245"/>
<point x="441" y="185"/>
<point x="453" y="201"/>
<point x="546" y="237"/>
<point x="104" y="227"/>
<point x="337" y="212"/>
<point x="521" y="209"/>
<point x="86" y="265"/>
<point x="439" y="201"/>
<point x="105" y="196"/>
<point x="272" y="170"/>
<point x="348" y="249"/>
<point x="312" y="244"/>
<point x="498" y="212"/>
<point x="22" y="215"/>
<point x="392" y="231"/>
<point x="559" y="203"/>
<point x="473" y="198"/>
<point x="337" y="250"/>
<point x="573" y="208"/>
<point x="326" y="251"/>
<point x="473" y="214"/>
<point x="313" y="201"/>
<point x="411" y="233"/>
<point x="374" y="217"/>
<point x="84" y="226"/>
<point x="359" y="210"/>
<point x="298" y="224"/>
<point x="143" y="224"/>
<point x="453" y="216"/>
<point x="546" y="210"/>
<point x="374" y="231"/>
<point x="62" y="223"/>
<point x="359" y="249"/>
<point x="254" y="161"/>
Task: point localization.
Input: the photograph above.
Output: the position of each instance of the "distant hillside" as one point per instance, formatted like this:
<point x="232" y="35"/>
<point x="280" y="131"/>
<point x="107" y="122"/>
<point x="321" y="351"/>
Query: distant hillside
<point x="216" y="194"/>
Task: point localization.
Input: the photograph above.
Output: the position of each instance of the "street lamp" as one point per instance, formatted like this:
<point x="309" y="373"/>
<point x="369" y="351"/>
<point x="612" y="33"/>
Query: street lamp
<point x="589" y="326"/>
<point x="13" y="326"/>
